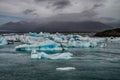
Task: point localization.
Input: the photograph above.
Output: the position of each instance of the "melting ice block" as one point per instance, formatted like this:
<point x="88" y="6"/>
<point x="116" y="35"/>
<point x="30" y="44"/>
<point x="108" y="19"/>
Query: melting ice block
<point x="43" y="55"/>
<point x="65" y="68"/>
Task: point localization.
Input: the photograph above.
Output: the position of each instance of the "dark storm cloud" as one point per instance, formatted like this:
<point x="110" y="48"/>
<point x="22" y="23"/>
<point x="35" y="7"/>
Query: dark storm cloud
<point x="29" y="11"/>
<point x="108" y="20"/>
<point x="62" y="10"/>
<point x="61" y="4"/>
<point x="89" y="13"/>
<point x="97" y="6"/>
<point x="85" y="15"/>
<point x="55" y="4"/>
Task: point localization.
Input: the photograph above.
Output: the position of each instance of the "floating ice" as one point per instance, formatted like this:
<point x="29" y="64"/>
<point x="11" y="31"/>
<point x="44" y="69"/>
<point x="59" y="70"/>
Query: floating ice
<point x="112" y="39"/>
<point x="83" y="44"/>
<point x="34" y="54"/>
<point x="46" y="42"/>
<point x="3" y="42"/>
<point x="52" y="43"/>
<point x="43" y="55"/>
<point x="65" y="68"/>
<point x="47" y="46"/>
<point x="32" y="34"/>
<point x="41" y="34"/>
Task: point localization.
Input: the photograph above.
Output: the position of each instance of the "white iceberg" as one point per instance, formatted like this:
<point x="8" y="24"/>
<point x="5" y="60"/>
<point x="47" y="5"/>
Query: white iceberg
<point x="43" y="55"/>
<point x="113" y="39"/>
<point x="83" y="44"/>
<point x="77" y="41"/>
<point x="3" y="42"/>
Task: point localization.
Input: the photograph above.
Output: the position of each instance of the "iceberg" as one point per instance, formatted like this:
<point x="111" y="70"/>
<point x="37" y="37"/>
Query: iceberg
<point x="47" y="46"/>
<point x="57" y="39"/>
<point x="83" y="44"/>
<point x="32" y="34"/>
<point x="41" y="34"/>
<point x="3" y="42"/>
<point x="14" y="38"/>
<point x="112" y="39"/>
<point x="65" y="68"/>
<point x="43" y="55"/>
<point x="77" y="41"/>
<point x="54" y="43"/>
<point x="30" y="40"/>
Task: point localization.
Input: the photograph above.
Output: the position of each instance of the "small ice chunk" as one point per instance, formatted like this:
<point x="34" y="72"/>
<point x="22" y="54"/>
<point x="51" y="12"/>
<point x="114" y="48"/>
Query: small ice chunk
<point x="65" y="68"/>
<point x="34" y="54"/>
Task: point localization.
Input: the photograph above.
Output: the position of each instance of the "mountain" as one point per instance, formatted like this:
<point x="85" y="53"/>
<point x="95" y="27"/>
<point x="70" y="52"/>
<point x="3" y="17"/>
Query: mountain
<point x="109" y="33"/>
<point x="116" y="25"/>
<point x="18" y="26"/>
<point x="86" y="26"/>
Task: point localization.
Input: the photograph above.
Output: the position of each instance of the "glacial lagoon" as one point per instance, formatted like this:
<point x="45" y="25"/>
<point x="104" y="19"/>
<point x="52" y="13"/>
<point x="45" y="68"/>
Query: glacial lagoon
<point x="89" y="63"/>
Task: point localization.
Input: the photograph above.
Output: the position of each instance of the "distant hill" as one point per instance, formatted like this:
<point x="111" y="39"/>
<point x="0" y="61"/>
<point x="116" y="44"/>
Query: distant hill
<point x="17" y="27"/>
<point x="109" y="33"/>
<point x="87" y="26"/>
<point x="115" y="25"/>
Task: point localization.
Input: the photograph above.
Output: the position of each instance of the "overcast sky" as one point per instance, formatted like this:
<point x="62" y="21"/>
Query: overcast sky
<point x="59" y="10"/>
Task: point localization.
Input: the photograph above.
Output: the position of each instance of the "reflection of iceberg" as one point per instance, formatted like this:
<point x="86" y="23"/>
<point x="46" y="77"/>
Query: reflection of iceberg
<point x="47" y="46"/>
<point x="3" y="42"/>
<point x="42" y="55"/>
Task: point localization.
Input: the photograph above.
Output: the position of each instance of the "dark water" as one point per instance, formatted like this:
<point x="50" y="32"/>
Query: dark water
<point x="90" y="64"/>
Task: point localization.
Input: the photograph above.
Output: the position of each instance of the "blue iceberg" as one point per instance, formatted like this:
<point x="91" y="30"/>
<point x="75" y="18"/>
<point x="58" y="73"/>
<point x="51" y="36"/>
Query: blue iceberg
<point x="32" y="34"/>
<point x="47" y="46"/>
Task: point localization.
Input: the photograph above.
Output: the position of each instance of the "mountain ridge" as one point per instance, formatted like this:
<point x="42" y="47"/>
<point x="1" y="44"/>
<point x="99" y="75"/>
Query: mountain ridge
<point x="86" y="26"/>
